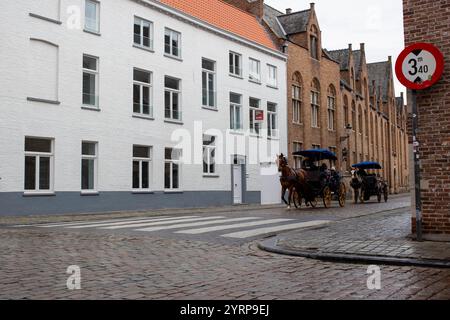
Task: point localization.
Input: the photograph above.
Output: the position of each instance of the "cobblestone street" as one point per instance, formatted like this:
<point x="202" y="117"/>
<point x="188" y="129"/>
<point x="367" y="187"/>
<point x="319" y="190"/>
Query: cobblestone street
<point x="133" y="265"/>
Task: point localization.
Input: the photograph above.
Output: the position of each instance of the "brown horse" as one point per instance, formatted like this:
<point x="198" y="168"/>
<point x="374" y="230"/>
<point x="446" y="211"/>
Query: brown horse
<point x="289" y="179"/>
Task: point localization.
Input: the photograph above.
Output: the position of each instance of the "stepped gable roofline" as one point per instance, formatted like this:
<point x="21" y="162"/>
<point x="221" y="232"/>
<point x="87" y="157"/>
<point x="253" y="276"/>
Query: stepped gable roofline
<point x="380" y="73"/>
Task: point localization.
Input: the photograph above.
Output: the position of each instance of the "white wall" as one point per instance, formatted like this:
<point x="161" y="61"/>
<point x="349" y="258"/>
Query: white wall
<point x="113" y="127"/>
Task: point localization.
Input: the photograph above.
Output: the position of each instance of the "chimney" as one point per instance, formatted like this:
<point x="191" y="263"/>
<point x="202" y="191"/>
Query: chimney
<point x="254" y="7"/>
<point x="288" y="11"/>
<point x="350" y="47"/>
<point x="390" y="59"/>
<point x="362" y="47"/>
<point x="312" y="5"/>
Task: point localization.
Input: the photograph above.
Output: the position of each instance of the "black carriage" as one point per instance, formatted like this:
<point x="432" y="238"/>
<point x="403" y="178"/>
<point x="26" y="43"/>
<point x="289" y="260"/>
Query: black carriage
<point x="319" y="181"/>
<point x="366" y="185"/>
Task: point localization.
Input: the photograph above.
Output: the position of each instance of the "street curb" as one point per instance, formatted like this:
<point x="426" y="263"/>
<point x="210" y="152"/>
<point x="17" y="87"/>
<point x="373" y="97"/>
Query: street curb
<point x="270" y="245"/>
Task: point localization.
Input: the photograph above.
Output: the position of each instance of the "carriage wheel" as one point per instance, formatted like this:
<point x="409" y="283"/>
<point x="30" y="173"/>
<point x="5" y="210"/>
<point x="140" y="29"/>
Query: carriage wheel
<point x="342" y="195"/>
<point x="327" y="197"/>
<point x="386" y="194"/>
<point x="313" y="203"/>
<point x="297" y="199"/>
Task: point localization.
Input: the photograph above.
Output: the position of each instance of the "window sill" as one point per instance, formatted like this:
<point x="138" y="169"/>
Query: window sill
<point x="172" y="191"/>
<point x="142" y="192"/>
<point x="297" y="123"/>
<point x="273" y="87"/>
<point x="255" y="135"/>
<point x="143" y="48"/>
<point x="210" y="175"/>
<point x="173" y="57"/>
<point x="95" y="33"/>
<point x="237" y="76"/>
<point x="210" y="108"/>
<point x="138" y="116"/>
<point x="174" y="121"/>
<point x="255" y="81"/>
<point x="38" y="194"/>
<point x="237" y="132"/>
<point x="91" y="108"/>
<point x="89" y="193"/>
<point x="274" y="138"/>
<point x="315" y="127"/>
<point x="55" y="102"/>
<point x="45" y="18"/>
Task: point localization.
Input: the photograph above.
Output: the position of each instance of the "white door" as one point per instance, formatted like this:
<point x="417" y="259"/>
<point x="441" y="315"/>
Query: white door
<point x="237" y="184"/>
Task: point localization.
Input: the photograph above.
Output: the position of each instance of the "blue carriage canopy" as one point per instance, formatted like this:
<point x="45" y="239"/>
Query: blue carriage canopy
<point x="316" y="154"/>
<point x="367" y="165"/>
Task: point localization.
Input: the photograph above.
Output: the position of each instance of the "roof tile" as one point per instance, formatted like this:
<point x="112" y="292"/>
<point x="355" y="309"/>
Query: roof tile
<point x="226" y="17"/>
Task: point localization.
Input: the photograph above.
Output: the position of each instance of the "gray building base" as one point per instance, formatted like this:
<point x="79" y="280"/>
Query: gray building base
<point x="16" y="204"/>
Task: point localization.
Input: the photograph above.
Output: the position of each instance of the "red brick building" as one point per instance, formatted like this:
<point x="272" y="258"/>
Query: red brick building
<point x="429" y="21"/>
<point x="330" y="90"/>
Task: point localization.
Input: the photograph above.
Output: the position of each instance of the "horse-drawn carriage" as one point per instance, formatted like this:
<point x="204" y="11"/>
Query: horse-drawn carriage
<point x="367" y="185"/>
<point x="312" y="182"/>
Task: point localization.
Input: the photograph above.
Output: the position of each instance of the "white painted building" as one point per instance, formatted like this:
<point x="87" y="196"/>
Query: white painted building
<point x="92" y="94"/>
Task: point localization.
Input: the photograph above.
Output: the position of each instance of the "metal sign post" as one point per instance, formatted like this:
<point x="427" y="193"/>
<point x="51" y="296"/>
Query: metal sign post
<point x="415" y="126"/>
<point x="419" y="67"/>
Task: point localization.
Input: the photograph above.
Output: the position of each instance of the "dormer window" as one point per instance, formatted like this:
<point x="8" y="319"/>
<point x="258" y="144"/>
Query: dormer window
<point x="314" y="43"/>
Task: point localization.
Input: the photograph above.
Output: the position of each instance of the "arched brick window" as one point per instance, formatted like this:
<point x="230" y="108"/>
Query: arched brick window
<point x="315" y="104"/>
<point x="354" y="115"/>
<point x="331" y="105"/>
<point x="346" y="117"/>
<point x="314" y="42"/>
<point x="297" y="98"/>
<point x="360" y="120"/>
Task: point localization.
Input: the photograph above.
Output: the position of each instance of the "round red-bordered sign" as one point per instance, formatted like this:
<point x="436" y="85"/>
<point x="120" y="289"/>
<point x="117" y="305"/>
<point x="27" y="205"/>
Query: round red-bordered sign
<point x="419" y="66"/>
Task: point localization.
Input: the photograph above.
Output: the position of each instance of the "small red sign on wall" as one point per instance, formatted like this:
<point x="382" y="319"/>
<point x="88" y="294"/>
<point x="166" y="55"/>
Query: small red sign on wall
<point x="259" y="115"/>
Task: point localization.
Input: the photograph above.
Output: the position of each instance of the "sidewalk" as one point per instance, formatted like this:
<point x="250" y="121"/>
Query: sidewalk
<point x="383" y="238"/>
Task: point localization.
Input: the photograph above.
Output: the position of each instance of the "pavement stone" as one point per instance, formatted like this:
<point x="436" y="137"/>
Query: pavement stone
<point x="385" y="236"/>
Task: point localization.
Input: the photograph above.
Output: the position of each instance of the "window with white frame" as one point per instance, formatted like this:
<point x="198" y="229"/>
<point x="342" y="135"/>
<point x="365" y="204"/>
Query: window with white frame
<point x="143" y="33"/>
<point x="208" y="83"/>
<point x="316" y="146"/>
<point x="315" y="109"/>
<point x="92" y="16"/>
<point x="88" y="166"/>
<point x="235" y="64"/>
<point x="172" y="43"/>
<point x="272" y="120"/>
<point x="255" y="105"/>
<point x="209" y="154"/>
<point x="254" y="73"/>
<point x="90" y="81"/>
<point x="296" y="104"/>
<point x="172" y="168"/>
<point x="235" y="111"/>
<point x="272" y="76"/>
<point x="38" y="165"/>
<point x="172" y="99"/>
<point x="331" y="112"/>
<point x="141" y="167"/>
<point x="142" y="93"/>
<point x="297" y="146"/>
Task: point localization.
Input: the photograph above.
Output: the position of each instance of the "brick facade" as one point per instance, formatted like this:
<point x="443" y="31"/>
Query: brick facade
<point x="363" y="95"/>
<point x="429" y="21"/>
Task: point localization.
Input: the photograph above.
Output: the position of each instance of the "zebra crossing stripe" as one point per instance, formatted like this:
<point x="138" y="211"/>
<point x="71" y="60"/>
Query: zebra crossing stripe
<point x="195" y="224"/>
<point x="232" y="226"/>
<point x="62" y="224"/>
<point x="146" y="224"/>
<point x="262" y="231"/>
<point x="95" y="225"/>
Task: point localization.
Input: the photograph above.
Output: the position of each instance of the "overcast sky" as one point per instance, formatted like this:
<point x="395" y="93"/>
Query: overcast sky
<point x="377" y="23"/>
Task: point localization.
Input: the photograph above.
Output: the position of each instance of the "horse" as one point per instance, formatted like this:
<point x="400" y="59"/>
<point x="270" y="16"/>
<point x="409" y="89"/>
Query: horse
<point x="288" y="180"/>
